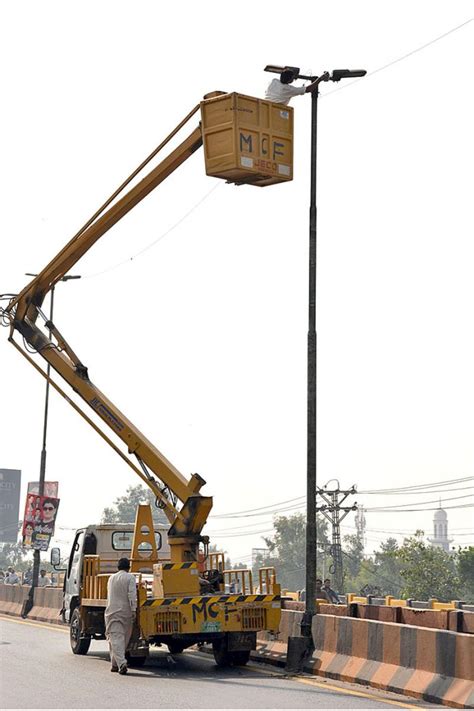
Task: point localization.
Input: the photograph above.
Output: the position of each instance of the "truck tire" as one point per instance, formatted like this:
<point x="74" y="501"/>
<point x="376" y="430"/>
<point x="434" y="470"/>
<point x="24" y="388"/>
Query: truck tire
<point x="135" y="661"/>
<point x="222" y="656"/>
<point x="240" y="659"/>
<point x="79" y="643"/>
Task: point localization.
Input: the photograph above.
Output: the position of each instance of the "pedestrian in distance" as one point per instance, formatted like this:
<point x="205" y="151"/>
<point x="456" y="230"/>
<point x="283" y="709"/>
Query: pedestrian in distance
<point x="43" y="579"/>
<point x="332" y="594"/>
<point x="120" y="614"/>
<point x="12" y="577"/>
<point x="320" y="593"/>
<point x="280" y="90"/>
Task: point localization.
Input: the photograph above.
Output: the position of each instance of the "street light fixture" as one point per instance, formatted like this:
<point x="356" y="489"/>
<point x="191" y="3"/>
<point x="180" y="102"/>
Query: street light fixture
<point x="28" y="604"/>
<point x="300" y="647"/>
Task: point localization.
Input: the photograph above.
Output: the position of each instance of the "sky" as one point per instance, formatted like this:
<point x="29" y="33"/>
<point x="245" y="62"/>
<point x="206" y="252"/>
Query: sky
<point x="191" y="314"/>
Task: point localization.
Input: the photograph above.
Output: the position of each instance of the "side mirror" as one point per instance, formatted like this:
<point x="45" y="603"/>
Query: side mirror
<point x="55" y="557"/>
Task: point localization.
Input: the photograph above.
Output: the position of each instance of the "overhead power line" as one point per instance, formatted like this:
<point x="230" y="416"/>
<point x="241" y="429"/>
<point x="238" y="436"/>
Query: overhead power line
<point x="417" y="493"/>
<point x="260" y="508"/>
<point x="403" y="57"/>
<point x="412" y="487"/>
<point x="459" y="506"/>
<point x="419" y="503"/>
<point x="333" y="91"/>
<point x="157" y="239"/>
<point x="299" y="501"/>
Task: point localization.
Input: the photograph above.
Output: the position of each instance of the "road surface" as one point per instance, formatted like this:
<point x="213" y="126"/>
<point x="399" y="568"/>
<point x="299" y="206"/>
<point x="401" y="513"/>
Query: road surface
<point x="38" y="670"/>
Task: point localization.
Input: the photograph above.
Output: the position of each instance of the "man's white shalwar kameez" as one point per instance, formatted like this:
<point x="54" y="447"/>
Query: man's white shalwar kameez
<point x="119" y="614"/>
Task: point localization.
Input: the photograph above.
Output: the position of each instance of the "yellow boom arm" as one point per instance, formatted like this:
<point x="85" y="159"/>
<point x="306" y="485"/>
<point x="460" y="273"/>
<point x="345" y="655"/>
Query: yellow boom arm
<point x="167" y="483"/>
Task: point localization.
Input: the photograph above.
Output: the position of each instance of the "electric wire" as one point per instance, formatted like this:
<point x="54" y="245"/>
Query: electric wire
<point x="299" y="501"/>
<point x="432" y="501"/>
<point x="400" y="59"/>
<point x="417" y="486"/>
<point x="328" y="93"/>
<point x="158" y="239"/>
<point x="459" y="506"/>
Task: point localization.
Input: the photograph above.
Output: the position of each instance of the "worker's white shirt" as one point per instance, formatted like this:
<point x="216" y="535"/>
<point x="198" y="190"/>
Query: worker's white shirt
<point x="42" y="582"/>
<point x="282" y="93"/>
<point x="121" y="595"/>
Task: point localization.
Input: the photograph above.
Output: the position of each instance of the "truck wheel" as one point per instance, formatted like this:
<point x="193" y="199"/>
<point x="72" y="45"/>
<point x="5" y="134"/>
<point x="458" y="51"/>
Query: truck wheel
<point x="79" y="643"/>
<point x="222" y="656"/>
<point x="240" y="659"/>
<point x="135" y="661"/>
<point x="175" y="647"/>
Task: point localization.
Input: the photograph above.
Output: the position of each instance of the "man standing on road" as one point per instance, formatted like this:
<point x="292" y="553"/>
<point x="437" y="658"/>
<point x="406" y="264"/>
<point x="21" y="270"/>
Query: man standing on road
<point x="120" y="614"/>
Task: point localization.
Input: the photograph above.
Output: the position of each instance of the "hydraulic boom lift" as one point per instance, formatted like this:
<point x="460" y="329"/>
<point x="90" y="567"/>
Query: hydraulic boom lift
<point x="246" y="140"/>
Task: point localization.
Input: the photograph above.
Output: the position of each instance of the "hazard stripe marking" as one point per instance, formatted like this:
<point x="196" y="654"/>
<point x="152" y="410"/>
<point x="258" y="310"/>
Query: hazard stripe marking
<point x="178" y="566"/>
<point x="174" y="601"/>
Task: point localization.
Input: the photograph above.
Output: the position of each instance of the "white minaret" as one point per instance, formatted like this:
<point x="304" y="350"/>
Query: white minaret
<point x="440" y="530"/>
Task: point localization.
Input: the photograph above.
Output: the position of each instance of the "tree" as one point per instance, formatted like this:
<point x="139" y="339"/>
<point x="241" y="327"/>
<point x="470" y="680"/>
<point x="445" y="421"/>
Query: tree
<point x="12" y="554"/>
<point x="388" y="567"/>
<point x="354" y="555"/>
<point x="287" y="549"/>
<point x="125" y="507"/>
<point x="427" y="572"/>
<point x="465" y="559"/>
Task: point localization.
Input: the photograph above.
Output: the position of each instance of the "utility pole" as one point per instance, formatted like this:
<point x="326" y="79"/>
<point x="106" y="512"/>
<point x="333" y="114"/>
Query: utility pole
<point x="331" y="510"/>
<point x="29" y="602"/>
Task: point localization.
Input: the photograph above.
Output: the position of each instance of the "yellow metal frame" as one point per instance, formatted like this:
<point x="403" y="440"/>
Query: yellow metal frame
<point x="143" y="534"/>
<point x="243" y="576"/>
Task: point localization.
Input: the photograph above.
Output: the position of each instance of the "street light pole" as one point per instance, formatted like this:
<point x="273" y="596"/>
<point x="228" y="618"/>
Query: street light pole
<point x="300" y="647"/>
<point x="311" y="472"/>
<point x="311" y="432"/>
<point x="28" y="604"/>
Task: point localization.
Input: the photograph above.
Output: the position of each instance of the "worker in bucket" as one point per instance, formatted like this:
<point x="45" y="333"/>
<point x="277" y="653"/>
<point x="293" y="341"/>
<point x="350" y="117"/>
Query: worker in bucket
<point x="120" y="614"/>
<point x="280" y="90"/>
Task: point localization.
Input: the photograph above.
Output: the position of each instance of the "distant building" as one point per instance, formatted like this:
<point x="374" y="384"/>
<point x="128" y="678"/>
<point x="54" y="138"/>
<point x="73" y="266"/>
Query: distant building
<point x="440" y="530"/>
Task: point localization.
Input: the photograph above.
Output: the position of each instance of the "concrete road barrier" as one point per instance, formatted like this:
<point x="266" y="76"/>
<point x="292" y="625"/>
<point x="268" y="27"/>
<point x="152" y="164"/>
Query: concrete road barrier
<point x="47" y="602"/>
<point x="435" y="665"/>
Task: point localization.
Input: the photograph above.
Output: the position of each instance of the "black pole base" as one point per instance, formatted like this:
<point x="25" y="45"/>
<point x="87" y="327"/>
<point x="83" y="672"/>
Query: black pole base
<point x="299" y="649"/>
<point x="26" y="607"/>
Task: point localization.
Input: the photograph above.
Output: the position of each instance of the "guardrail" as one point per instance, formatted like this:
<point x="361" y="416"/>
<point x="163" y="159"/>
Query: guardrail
<point x="390" y="601"/>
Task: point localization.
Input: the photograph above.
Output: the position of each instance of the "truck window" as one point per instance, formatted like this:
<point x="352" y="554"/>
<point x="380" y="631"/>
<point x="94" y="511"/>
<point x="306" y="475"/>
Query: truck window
<point x="122" y="540"/>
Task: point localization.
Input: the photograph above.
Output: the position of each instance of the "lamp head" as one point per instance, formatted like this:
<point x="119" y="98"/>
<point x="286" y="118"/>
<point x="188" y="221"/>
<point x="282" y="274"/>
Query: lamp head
<point x="338" y="74"/>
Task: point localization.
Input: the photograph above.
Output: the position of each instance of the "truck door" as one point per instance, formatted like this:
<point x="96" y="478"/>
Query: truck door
<point x="72" y="581"/>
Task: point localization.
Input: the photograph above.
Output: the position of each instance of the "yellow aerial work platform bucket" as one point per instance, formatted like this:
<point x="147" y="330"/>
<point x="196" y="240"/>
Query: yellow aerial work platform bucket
<point x="247" y="140"/>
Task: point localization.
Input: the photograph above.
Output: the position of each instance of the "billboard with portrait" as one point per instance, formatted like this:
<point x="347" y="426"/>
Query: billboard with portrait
<point x="39" y="521"/>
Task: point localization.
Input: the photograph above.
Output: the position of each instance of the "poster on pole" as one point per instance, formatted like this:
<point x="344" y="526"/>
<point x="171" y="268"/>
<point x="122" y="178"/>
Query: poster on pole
<point x="10" y="483"/>
<point x="50" y="488"/>
<point x="38" y="521"/>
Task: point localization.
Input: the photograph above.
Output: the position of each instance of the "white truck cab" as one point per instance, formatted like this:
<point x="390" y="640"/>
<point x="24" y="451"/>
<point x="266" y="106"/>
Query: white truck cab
<point x="110" y="541"/>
